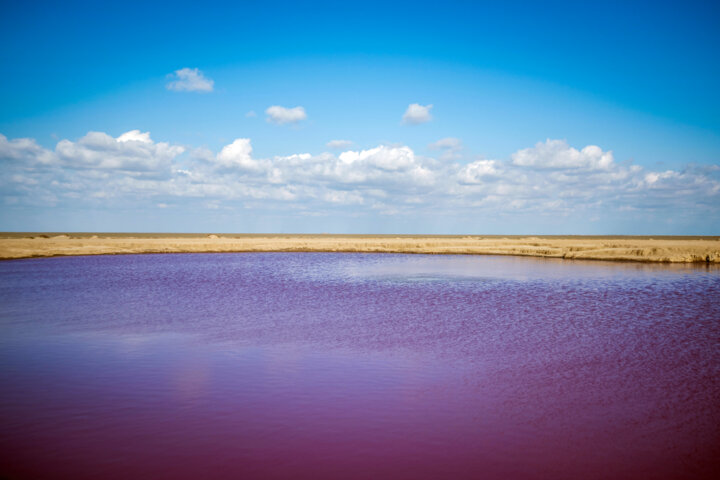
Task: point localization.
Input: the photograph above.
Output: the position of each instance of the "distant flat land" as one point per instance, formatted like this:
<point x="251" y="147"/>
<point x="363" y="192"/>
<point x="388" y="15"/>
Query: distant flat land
<point x="676" y="249"/>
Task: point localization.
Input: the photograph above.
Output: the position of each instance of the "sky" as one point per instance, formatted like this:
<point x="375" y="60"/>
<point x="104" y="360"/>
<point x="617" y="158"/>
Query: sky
<point x="361" y="117"/>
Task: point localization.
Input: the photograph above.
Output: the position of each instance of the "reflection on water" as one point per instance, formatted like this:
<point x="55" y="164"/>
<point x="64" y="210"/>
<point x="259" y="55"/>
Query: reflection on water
<point x="357" y="366"/>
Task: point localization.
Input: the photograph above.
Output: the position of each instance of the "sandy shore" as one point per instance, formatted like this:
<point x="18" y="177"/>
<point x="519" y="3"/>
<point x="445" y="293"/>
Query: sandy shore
<point x="642" y="249"/>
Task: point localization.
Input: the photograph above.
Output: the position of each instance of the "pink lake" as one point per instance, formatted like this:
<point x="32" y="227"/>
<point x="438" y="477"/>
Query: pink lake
<point x="320" y="365"/>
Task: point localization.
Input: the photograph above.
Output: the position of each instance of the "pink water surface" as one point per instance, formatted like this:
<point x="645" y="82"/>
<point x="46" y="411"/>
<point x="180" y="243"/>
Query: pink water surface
<point x="288" y="365"/>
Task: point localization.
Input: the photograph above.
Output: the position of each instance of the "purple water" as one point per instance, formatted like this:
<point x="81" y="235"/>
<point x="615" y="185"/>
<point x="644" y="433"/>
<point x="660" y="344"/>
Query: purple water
<point x="314" y="365"/>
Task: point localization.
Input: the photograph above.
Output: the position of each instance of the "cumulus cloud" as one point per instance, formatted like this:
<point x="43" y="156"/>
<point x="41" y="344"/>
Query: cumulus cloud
<point x="135" y="136"/>
<point x="189" y="80"/>
<point x="382" y="164"/>
<point x="552" y="178"/>
<point x="339" y="144"/>
<point x="417" y="114"/>
<point x="558" y="154"/>
<point x="238" y="155"/>
<point x="24" y="151"/>
<point x="133" y="152"/>
<point x="449" y="146"/>
<point x="281" y="115"/>
<point x="384" y="158"/>
<point x="478" y="172"/>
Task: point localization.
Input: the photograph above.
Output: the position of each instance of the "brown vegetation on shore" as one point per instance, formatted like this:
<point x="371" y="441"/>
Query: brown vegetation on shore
<point x="643" y="249"/>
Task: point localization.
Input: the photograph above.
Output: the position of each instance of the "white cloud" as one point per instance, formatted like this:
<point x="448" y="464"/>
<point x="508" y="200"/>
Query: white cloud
<point x="344" y="197"/>
<point x="384" y="158"/>
<point x="135" y="136"/>
<point x="189" y="80"/>
<point x="551" y="179"/>
<point x="417" y="114"/>
<point x="24" y="150"/>
<point x="132" y="151"/>
<point x="450" y="146"/>
<point x="478" y="172"/>
<point x="339" y="144"/>
<point x="381" y="165"/>
<point x="558" y="154"/>
<point x="238" y="155"/>
<point x="251" y="114"/>
<point x="281" y="115"/>
<point x="447" y="143"/>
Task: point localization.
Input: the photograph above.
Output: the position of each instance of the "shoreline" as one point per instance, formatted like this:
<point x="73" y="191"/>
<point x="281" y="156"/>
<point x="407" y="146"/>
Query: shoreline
<point x="654" y="249"/>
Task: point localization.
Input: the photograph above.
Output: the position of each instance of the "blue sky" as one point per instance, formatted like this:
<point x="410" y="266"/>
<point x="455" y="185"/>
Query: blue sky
<point x="534" y="117"/>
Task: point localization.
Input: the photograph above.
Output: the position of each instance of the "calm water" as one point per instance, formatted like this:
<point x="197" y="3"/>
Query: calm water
<point x="357" y="366"/>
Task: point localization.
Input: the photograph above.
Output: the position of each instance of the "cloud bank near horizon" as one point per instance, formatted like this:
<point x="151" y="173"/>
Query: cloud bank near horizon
<point x="550" y="178"/>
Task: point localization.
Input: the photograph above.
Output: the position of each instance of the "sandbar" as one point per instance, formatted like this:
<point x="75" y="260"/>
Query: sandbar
<point x="673" y="249"/>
